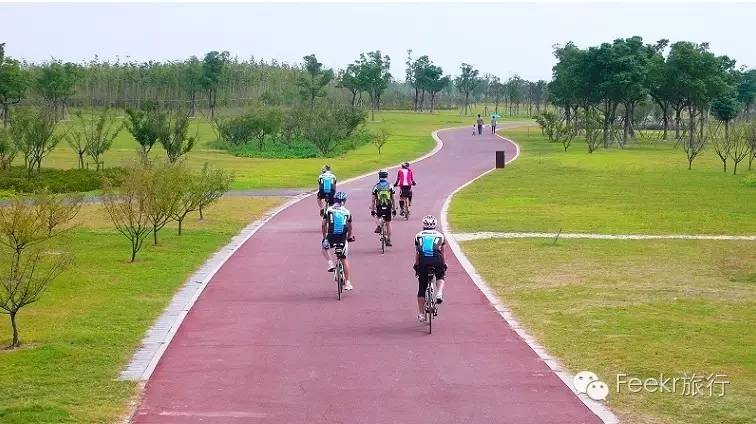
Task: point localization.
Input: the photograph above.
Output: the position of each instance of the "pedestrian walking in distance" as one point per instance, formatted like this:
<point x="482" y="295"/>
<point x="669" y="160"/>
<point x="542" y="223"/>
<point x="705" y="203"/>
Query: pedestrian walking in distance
<point x="493" y="124"/>
<point x="480" y="125"/>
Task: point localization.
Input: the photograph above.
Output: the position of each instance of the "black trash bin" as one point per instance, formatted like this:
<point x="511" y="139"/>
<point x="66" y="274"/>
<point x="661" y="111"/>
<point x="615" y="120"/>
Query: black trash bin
<point x="501" y="159"/>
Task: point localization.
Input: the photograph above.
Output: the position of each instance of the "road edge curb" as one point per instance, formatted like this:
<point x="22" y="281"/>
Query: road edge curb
<point x="601" y="410"/>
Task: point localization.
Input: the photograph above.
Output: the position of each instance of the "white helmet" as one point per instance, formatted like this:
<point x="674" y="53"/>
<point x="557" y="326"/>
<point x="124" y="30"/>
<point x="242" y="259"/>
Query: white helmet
<point x="429" y="222"/>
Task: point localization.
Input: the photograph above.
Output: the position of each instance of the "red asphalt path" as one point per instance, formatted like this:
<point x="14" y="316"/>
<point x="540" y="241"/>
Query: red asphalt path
<point x="267" y="342"/>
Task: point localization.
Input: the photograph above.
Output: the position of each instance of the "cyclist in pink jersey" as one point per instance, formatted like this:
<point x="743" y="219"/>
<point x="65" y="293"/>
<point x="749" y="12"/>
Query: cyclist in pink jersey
<point x="405" y="179"/>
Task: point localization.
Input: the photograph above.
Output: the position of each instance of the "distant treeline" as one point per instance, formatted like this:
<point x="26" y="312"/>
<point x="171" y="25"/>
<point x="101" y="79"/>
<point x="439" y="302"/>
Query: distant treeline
<point x="200" y="85"/>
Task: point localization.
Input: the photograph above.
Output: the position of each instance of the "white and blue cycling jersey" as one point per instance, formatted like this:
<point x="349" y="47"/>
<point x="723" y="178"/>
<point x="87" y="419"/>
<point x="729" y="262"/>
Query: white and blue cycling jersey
<point x="327" y="182"/>
<point x="429" y="243"/>
<point x="338" y="218"/>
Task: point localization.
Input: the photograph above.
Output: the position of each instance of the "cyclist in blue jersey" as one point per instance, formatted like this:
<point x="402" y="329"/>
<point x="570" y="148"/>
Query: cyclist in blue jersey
<point x="383" y="204"/>
<point x="429" y="245"/>
<point x="326" y="188"/>
<point x="337" y="231"/>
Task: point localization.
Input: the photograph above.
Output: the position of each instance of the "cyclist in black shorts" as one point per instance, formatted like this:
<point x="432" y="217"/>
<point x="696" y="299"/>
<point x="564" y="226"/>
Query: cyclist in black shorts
<point x="405" y="179"/>
<point x="337" y="231"/>
<point x="382" y="205"/>
<point x="429" y="245"/>
<point x="326" y="188"/>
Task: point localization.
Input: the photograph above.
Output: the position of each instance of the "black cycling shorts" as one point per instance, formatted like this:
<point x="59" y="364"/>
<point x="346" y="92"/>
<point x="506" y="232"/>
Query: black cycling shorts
<point x="338" y="240"/>
<point x="422" y="272"/>
<point x="328" y="196"/>
<point x="406" y="192"/>
<point x="385" y="212"/>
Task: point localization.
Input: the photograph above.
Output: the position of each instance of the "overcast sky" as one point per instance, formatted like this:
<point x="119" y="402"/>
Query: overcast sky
<point x="502" y="39"/>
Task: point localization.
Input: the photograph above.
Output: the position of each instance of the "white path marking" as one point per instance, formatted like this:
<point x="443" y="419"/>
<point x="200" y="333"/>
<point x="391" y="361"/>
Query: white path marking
<point x="515" y="235"/>
<point x="601" y="410"/>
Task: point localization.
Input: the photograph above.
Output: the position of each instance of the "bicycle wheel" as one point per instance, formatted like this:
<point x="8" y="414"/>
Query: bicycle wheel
<point x="430" y="302"/>
<point x="339" y="276"/>
<point x="383" y="237"/>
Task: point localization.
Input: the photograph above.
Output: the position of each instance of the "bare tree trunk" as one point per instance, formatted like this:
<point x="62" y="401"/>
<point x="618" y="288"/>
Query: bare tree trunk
<point x="14" y="325"/>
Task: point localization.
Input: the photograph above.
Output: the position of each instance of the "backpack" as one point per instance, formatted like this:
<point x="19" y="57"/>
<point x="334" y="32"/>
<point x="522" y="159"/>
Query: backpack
<point x="383" y="192"/>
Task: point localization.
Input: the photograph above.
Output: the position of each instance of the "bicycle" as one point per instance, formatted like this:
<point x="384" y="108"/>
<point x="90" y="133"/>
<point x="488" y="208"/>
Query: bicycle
<point x="382" y="236"/>
<point x="431" y="310"/>
<point x="338" y="273"/>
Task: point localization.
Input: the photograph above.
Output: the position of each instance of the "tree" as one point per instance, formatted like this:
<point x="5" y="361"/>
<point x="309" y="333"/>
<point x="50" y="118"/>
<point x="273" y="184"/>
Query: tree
<point x="213" y="66"/>
<point x="374" y="77"/>
<point x="33" y="133"/>
<point x="265" y="121"/>
<point x="147" y="125"/>
<point x="128" y="207"/>
<point x="163" y="185"/>
<point x="436" y="85"/>
<point x="56" y="82"/>
<point x="740" y="147"/>
<point x="380" y="139"/>
<point x="496" y="90"/>
<point x="8" y="149"/>
<point x="349" y="79"/>
<point x="746" y="89"/>
<point x="25" y="269"/>
<point x="312" y="85"/>
<point x="721" y="145"/>
<point x="191" y="78"/>
<point x="93" y="137"/>
<point x="725" y="109"/>
<point x="198" y="191"/>
<point x="466" y="83"/>
<point x="750" y="135"/>
<point x="13" y="84"/>
<point x="175" y="140"/>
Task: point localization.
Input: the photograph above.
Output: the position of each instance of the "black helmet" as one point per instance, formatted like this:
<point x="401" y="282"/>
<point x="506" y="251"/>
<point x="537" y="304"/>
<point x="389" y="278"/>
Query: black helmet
<point x="382" y="173"/>
<point x="405" y="165"/>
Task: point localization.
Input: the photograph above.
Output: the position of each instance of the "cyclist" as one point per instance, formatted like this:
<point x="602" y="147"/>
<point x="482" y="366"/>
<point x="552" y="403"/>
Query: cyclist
<point x="326" y="188"/>
<point x="405" y="179"/>
<point x="337" y="231"/>
<point x="429" y="245"/>
<point x="382" y="205"/>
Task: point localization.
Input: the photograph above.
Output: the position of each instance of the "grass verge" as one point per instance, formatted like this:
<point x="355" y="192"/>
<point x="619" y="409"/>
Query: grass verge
<point x="644" y="188"/>
<point x="640" y="308"/>
<point x="86" y="327"/>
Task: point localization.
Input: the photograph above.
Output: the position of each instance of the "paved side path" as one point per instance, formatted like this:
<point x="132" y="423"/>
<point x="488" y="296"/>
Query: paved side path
<point x="267" y="342"/>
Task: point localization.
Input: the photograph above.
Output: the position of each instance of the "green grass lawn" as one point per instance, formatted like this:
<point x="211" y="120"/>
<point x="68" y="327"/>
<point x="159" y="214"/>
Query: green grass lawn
<point x="635" y="307"/>
<point x="86" y="327"/>
<point x="645" y="188"/>
<point x="410" y="138"/>
<point x="640" y="308"/>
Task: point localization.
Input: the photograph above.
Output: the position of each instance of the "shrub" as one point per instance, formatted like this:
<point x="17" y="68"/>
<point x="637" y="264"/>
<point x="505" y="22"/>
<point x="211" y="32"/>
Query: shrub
<point x="16" y="179"/>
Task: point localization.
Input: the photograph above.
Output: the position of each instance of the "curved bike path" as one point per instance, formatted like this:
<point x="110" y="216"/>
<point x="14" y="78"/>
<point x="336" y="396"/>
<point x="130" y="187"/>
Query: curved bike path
<point x="267" y="341"/>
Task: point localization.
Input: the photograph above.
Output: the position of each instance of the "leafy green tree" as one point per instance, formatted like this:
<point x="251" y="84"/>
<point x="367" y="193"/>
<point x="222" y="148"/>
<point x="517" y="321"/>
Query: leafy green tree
<point x="374" y="77"/>
<point x="128" y="206"/>
<point x="725" y="109"/>
<point x="13" y="83"/>
<point x="33" y="132"/>
<point x="93" y="137"/>
<point x="312" y="85"/>
<point x="265" y="121"/>
<point x="191" y="79"/>
<point x="746" y="89"/>
<point x="466" y="83"/>
<point x="175" y="139"/>
<point x="147" y="125"/>
<point x="213" y="66"/>
<point x="26" y="270"/>
<point x="349" y="78"/>
<point x="56" y="83"/>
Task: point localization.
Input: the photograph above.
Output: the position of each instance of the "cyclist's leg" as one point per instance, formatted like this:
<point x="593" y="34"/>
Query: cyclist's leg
<point x="422" y="286"/>
<point x="440" y="279"/>
<point x="327" y="256"/>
